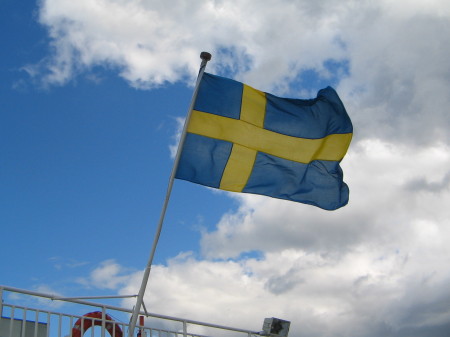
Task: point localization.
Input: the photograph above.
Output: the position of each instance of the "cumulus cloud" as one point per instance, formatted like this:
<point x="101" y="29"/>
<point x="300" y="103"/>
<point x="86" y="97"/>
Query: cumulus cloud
<point x="395" y="55"/>
<point x="391" y="186"/>
<point x="365" y="292"/>
<point x="151" y="42"/>
<point x="108" y="275"/>
<point x="377" y="266"/>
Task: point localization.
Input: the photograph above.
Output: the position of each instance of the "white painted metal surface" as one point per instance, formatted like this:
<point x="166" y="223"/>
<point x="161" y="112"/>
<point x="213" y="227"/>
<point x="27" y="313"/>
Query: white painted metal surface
<point x="32" y="314"/>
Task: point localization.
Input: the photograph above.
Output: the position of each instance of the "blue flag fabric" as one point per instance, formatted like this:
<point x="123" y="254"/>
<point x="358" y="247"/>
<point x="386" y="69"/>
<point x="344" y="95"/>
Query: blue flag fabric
<point x="244" y="140"/>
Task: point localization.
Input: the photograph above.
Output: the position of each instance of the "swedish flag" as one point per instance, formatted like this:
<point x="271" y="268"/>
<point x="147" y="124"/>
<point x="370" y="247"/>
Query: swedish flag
<point x="244" y="140"/>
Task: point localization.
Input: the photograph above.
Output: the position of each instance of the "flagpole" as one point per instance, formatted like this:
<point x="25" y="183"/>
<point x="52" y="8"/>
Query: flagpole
<point x="140" y="298"/>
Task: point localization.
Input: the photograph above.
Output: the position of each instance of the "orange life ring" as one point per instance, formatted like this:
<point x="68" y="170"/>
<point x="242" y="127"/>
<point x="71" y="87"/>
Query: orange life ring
<point x="95" y="318"/>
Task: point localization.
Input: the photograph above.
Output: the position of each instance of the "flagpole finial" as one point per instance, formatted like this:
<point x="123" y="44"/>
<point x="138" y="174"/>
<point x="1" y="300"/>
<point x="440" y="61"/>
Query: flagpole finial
<point x="205" y="56"/>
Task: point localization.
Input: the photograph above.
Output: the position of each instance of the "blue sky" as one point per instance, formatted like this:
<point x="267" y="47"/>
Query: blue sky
<point x="87" y="164"/>
<point x="92" y="93"/>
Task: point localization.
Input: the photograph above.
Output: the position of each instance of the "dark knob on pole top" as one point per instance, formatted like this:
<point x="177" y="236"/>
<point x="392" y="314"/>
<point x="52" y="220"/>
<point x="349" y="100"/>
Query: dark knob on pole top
<point x="204" y="55"/>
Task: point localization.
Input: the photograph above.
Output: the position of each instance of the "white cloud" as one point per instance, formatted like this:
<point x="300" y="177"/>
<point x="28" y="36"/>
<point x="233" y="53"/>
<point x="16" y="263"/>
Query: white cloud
<point x="397" y="53"/>
<point x="363" y="292"/>
<point x="399" y="63"/>
<point x="376" y="266"/>
<point x="34" y="301"/>
<point x="389" y="191"/>
<point x="153" y="42"/>
<point x="60" y="263"/>
<point x="108" y="275"/>
<point x="176" y="139"/>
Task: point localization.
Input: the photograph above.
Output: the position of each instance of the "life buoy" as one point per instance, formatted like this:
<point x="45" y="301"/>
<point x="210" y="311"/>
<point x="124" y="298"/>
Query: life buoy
<point x="95" y="318"/>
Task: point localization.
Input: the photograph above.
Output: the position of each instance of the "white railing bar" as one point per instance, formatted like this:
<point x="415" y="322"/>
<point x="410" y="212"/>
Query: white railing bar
<point x="36" y="320"/>
<point x="60" y="324"/>
<point x="110" y="307"/>
<point x="46" y="312"/>
<point x="184" y="329"/>
<point x="92" y="327"/>
<point x="70" y="325"/>
<point x="104" y="322"/>
<point x="1" y="301"/>
<point x="52" y="314"/>
<point x="11" y="321"/>
<point x="56" y="298"/>
<point x="24" y="320"/>
<point x="145" y="309"/>
<point x="49" y="317"/>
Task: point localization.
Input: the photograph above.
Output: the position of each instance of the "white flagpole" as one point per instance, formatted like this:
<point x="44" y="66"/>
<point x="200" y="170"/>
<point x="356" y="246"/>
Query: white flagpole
<point x="139" y="301"/>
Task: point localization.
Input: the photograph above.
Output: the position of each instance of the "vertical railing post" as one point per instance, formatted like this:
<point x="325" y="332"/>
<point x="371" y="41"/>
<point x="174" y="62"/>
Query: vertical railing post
<point x="36" y="323"/>
<point x="11" y="321"/>
<point x="60" y="325"/>
<point x="184" y="328"/>
<point x="104" y="321"/>
<point x="1" y="301"/>
<point x="24" y="320"/>
<point x="71" y="325"/>
<point x="49" y="317"/>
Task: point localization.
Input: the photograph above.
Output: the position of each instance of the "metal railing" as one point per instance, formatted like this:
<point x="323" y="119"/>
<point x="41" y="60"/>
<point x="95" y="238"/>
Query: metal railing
<point x="26" y="320"/>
